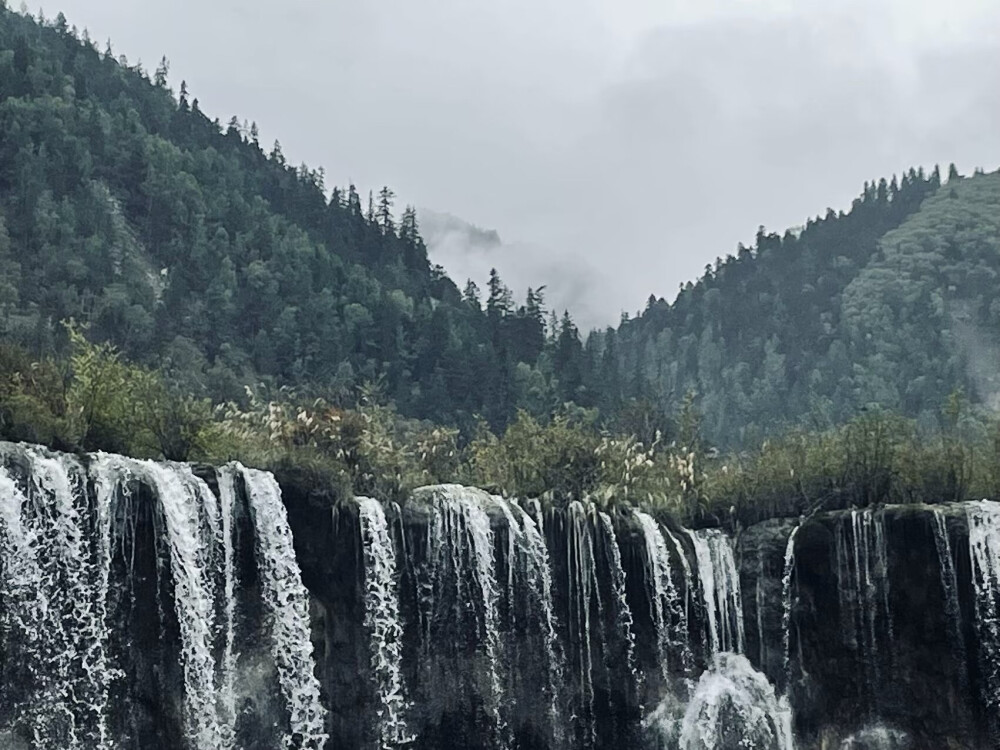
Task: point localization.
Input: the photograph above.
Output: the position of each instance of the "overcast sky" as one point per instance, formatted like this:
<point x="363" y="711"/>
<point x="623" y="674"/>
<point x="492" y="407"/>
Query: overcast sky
<point x="616" y="146"/>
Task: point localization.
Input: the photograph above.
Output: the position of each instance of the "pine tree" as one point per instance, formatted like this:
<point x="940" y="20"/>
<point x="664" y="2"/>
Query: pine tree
<point x="471" y="295"/>
<point x="353" y="201"/>
<point x="276" y="154"/>
<point x="408" y="230"/>
<point x="385" y="201"/>
<point x="162" y="71"/>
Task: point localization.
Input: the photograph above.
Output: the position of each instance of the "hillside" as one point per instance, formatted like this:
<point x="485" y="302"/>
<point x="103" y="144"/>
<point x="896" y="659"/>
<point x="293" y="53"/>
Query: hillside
<point x="190" y="248"/>
<point x="890" y="303"/>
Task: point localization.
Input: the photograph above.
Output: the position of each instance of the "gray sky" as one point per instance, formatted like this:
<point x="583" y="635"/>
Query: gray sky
<point x="616" y="146"/>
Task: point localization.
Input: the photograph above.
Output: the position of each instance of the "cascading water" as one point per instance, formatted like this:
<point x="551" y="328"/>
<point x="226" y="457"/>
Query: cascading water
<point x="287" y="603"/>
<point x="788" y="571"/>
<point x="623" y="613"/>
<point x="668" y="613"/>
<point x="538" y="580"/>
<point x="583" y="594"/>
<point x="191" y="522"/>
<point x="863" y="592"/>
<point x="52" y="588"/>
<point x="123" y="581"/>
<point x="984" y="551"/>
<point x="383" y="624"/>
<point x="64" y="529"/>
<point x="735" y="706"/>
<point x="457" y="588"/>
<point x="720" y="587"/>
<point x="949" y="591"/>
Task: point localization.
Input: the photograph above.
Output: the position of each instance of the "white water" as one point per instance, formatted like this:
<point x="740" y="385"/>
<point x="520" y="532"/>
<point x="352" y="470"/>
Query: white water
<point x="984" y="551"/>
<point x="230" y="657"/>
<point x="623" y="613"/>
<point x="24" y="616"/>
<point x="382" y="621"/>
<point x="877" y="738"/>
<point x="665" y="601"/>
<point x="460" y="543"/>
<point x="949" y="591"/>
<point x="720" y="587"/>
<point x="582" y="592"/>
<point x="54" y="586"/>
<point x="190" y="516"/>
<point x="733" y="706"/>
<point x="538" y="578"/>
<point x="786" y="606"/>
<point x="287" y="603"/>
<point x="81" y="594"/>
<point x="863" y="591"/>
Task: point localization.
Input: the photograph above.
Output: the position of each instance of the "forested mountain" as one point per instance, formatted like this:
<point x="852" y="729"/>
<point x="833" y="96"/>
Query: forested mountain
<point x="193" y="250"/>
<point x="182" y="242"/>
<point x="892" y="303"/>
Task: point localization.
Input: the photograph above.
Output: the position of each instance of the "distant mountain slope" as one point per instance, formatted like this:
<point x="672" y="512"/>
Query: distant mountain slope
<point x="892" y="303"/>
<point x="181" y="241"/>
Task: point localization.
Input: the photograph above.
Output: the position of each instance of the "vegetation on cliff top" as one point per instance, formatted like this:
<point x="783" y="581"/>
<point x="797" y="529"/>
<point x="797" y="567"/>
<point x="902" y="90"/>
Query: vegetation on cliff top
<point x="98" y="401"/>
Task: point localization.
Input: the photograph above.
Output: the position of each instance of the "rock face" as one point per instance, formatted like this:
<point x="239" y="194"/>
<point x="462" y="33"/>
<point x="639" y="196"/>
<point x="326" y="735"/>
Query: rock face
<point x="461" y="620"/>
<point x="865" y="632"/>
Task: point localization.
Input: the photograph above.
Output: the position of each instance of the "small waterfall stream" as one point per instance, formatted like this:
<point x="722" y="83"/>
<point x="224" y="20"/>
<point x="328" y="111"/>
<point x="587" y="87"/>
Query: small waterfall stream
<point x="191" y="522"/>
<point x="583" y="595"/>
<point x="287" y="604"/>
<point x="537" y="574"/>
<point x="984" y="551"/>
<point x="668" y="611"/>
<point x="383" y="623"/>
<point x="863" y="591"/>
<point x="52" y="584"/>
<point x="623" y="613"/>
<point x="720" y="588"/>
<point x="788" y="571"/>
<point x="949" y="591"/>
<point x="457" y="587"/>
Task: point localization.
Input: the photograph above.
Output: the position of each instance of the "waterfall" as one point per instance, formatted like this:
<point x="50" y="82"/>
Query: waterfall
<point x="538" y="582"/>
<point x="720" y="587"/>
<point x="191" y="522"/>
<point x="583" y="592"/>
<point x="227" y="509"/>
<point x="459" y="552"/>
<point x="382" y="621"/>
<point x="733" y="706"/>
<point x="666" y="608"/>
<point x="623" y="613"/>
<point x="287" y="604"/>
<point x="52" y="590"/>
<point x="62" y="525"/>
<point x="787" y="573"/>
<point x="863" y="591"/>
<point x="984" y="551"/>
<point x="758" y="602"/>
<point x="688" y="580"/>
<point x="949" y="592"/>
